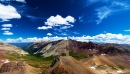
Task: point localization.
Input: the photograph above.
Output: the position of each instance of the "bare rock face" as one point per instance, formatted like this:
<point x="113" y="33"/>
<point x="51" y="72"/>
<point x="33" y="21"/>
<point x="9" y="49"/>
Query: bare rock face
<point x="67" y="65"/>
<point x="15" y="68"/>
<point x="12" y="67"/>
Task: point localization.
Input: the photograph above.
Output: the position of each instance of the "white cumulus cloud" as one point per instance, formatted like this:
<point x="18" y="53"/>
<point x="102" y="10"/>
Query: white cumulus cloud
<point x="105" y="38"/>
<point x="21" y="1"/>
<point x="8" y="12"/>
<point x="7" y="33"/>
<point x="58" y="21"/>
<point x="7" y="25"/>
<point x="5" y="28"/>
<point x="35" y="39"/>
<point x="100" y="38"/>
<point x="49" y="34"/>
<point x="44" y="28"/>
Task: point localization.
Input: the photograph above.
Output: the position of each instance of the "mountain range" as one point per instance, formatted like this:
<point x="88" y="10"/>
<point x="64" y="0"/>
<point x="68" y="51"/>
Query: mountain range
<point x="65" y="57"/>
<point x="65" y="46"/>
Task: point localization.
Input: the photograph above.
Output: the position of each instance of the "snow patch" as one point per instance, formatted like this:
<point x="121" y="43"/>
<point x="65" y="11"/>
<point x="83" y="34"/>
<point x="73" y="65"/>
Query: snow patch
<point x="119" y="71"/>
<point x="4" y="61"/>
<point x="92" y="67"/>
<point x="103" y="54"/>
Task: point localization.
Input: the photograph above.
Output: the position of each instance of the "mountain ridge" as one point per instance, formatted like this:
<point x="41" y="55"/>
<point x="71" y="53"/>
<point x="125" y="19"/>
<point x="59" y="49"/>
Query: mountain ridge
<point x="66" y="46"/>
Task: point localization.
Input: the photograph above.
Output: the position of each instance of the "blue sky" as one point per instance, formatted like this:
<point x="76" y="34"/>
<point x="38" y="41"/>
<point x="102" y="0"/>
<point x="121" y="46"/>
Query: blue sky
<point x="106" y="21"/>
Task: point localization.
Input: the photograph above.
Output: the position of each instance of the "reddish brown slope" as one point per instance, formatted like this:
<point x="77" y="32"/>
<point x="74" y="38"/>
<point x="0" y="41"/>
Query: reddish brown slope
<point x="3" y="55"/>
<point x="122" y="60"/>
<point x="17" y="68"/>
<point x="67" y="65"/>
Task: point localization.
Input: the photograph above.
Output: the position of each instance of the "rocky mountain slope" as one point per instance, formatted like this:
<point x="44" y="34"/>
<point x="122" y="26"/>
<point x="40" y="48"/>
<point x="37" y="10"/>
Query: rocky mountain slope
<point x="66" y="46"/>
<point x="3" y="55"/>
<point x="96" y="64"/>
<point x="11" y="49"/>
<point x="98" y="58"/>
<point x="67" y="65"/>
<point x="71" y="57"/>
<point x="104" y="64"/>
<point x="17" y="68"/>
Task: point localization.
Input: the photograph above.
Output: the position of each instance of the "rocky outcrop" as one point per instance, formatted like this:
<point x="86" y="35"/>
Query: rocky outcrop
<point x="16" y="68"/>
<point x="67" y="65"/>
<point x="12" y="67"/>
<point x="112" y="51"/>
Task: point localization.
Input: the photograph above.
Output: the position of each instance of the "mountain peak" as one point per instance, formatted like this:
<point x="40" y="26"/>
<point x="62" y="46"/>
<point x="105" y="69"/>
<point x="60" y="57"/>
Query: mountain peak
<point x="66" y="65"/>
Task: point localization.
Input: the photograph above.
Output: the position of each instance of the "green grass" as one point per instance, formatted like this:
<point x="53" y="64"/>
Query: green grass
<point x="41" y="62"/>
<point x="32" y="58"/>
<point x="101" y="67"/>
<point x="36" y="61"/>
<point x="78" y="56"/>
<point x="63" y="54"/>
<point x="121" y="67"/>
<point x="113" y="67"/>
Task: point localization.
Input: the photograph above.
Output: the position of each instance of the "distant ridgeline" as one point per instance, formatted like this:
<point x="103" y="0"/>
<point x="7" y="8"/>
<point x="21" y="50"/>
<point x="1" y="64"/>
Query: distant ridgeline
<point x="71" y="46"/>
<point x="22" y="45"/>
<point x="11" y="49"/>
